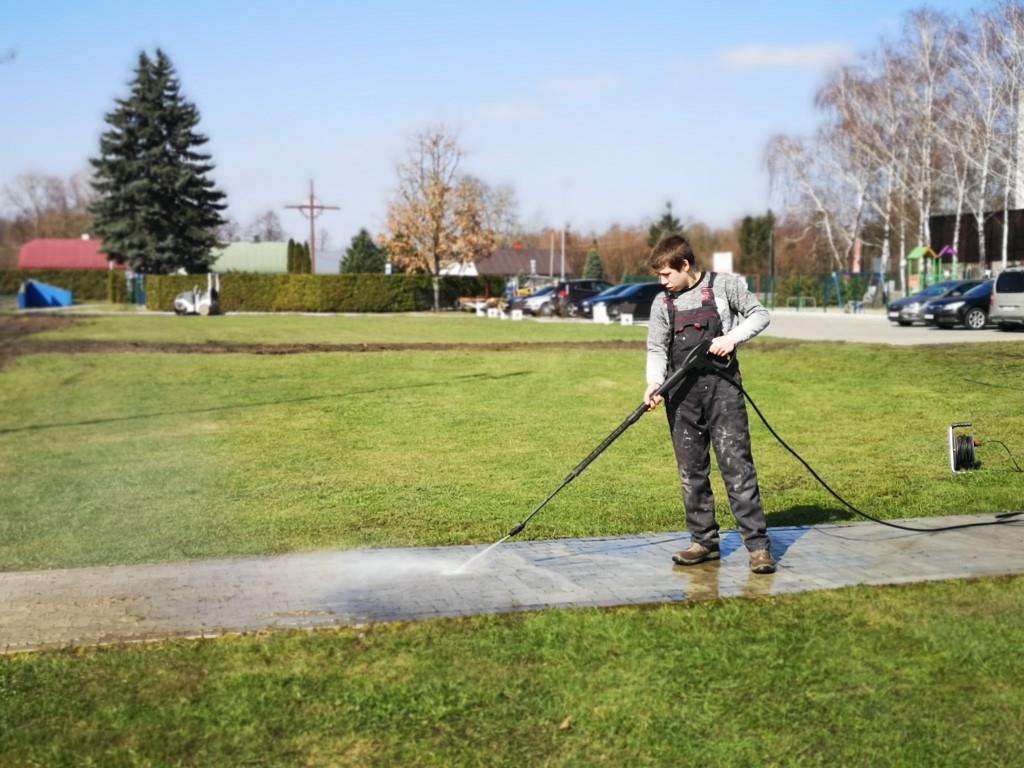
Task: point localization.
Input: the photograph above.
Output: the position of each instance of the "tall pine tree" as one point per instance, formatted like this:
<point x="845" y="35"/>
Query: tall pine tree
<point x="157" y="209"/>
<point x="363" y="255"/>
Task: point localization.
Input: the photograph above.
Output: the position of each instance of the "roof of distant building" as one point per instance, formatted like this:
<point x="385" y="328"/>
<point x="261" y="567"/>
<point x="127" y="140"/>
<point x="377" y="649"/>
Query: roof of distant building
<point x="528" y="261"/>
<point x="269" y="257"/>
<point x="64" y="253"/>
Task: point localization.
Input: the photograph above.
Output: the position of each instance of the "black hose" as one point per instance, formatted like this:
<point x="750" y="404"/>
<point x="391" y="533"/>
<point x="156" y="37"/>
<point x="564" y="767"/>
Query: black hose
<point x="1000" y="442"/>
<point x="1001" y="520"/>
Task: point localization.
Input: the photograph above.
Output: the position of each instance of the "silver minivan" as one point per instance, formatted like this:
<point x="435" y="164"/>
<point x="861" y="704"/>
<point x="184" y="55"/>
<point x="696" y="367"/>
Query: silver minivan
<point x="1007" y="307"/>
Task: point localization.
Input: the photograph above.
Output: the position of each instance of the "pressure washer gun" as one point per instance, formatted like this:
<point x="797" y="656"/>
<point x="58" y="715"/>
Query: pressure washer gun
<point x="699" y="360"/>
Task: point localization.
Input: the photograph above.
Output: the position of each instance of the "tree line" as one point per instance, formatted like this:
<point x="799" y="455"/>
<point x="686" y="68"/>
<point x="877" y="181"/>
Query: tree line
<point x="930" y="122"/>
<point x="150" y="196"/>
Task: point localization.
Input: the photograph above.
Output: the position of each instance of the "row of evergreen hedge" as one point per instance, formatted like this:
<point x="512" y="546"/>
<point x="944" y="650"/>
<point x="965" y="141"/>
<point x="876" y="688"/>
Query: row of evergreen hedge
<point x="84" y="284"/>
<point x="253" y="292"/>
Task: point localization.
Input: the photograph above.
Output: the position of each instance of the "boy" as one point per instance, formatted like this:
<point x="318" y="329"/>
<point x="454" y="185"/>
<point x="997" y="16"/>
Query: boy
<point x="706" y="407"/>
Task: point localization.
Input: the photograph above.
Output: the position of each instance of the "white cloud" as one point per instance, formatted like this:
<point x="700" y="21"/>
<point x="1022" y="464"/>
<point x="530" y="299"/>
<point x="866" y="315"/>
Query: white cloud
<point x="509" y="113"/>
<point x="588" y="85"/>
<point x="810" y="58"/>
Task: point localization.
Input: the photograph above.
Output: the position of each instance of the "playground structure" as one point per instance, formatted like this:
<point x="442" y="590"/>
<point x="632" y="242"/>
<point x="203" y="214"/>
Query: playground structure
<point x="849" y="291"/>
<point x="854" y="290"/>
<point x="924" y="268"/>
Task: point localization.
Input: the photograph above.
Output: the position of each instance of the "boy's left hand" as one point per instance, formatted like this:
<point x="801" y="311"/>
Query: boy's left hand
<point x="723" y="346"/>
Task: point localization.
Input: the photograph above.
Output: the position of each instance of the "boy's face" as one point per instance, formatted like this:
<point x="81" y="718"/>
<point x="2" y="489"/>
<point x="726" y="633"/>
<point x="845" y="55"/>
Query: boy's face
<point x="675" y="279"/>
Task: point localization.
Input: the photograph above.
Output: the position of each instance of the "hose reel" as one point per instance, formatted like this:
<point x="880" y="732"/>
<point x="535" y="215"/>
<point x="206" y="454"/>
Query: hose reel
<point x="961" y="449"/>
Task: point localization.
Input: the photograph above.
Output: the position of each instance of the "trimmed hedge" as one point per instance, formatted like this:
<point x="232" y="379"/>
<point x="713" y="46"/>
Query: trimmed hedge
<point x="254" y="292"/>
<point x="117" y="288"/>
<point x="84" y="284"/>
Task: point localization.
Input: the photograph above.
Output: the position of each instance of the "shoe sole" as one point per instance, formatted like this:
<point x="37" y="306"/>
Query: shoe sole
<point x="762" y="569"/>
<point x="709" y="556"/>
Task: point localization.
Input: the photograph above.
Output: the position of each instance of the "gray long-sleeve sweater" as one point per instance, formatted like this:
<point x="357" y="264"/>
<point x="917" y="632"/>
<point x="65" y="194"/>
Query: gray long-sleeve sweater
<point x="743" y="317"/>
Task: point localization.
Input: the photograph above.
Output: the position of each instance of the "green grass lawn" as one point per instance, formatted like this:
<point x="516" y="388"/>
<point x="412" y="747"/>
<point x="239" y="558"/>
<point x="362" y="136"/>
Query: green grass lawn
<point x="127" y="458"/>
<point x="922" y="675"/>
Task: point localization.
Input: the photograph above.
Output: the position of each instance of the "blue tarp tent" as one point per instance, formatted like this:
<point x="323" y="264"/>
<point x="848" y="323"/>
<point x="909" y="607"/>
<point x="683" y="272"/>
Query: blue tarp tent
<point x="36" y="294"/>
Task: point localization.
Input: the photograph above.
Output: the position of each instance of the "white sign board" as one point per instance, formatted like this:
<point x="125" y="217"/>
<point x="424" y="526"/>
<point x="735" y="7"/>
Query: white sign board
<point x="517" y="314"/>
<point x="601" y="313"/>
<point x="721" y="262"/>
<point x="493" y="312"/>
<point x="626" y="318"/>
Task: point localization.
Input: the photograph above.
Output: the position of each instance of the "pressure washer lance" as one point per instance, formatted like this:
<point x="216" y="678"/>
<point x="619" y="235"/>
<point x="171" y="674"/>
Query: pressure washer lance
<point x="699" y="360"/>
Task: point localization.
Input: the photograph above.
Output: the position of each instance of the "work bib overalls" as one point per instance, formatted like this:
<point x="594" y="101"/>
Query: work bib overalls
<point x="704" y="409"/>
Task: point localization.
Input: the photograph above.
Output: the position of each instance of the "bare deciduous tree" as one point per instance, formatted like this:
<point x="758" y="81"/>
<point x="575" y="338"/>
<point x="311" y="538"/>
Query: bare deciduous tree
<point x="437" y="215"/>
<point x="49" y="206"/>
<point x="265" y="228"/>
<point x="931" y="122"/>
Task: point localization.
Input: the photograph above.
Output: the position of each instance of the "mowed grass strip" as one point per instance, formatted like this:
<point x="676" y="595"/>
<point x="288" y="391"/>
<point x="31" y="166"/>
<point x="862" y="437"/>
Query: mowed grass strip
<point x="905" y="676"/>
<point x="129" y="458"/>
<point x="413" y="328"/>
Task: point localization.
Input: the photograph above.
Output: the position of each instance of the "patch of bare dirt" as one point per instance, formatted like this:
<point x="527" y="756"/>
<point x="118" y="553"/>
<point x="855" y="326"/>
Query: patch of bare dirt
<point x="15" y="326"/>
<point x="23" y="346"/>
<point x="14" y="329"/>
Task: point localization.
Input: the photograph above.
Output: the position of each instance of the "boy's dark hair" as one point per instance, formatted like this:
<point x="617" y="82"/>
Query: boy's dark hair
<point x="671" y="251"/>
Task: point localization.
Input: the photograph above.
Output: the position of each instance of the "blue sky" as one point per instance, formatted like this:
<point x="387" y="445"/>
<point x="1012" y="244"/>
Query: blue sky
<point x="595" y="113"/>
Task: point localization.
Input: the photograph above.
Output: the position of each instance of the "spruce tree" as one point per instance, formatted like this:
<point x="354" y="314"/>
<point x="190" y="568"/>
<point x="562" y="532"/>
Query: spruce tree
<point x="156" y="207"/>
<point x="291" y="256"/>
<point x="363" y="255"/>
<point x="593" y="269"/>
<point x="668" y="224"/>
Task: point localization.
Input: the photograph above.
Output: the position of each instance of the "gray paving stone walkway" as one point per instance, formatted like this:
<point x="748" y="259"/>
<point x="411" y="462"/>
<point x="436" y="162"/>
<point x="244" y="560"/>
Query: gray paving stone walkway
<point x="45" y="609"/>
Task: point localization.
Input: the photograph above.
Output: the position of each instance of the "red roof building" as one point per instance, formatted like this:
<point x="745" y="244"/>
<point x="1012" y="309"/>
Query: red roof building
<point x="63" y="253"/>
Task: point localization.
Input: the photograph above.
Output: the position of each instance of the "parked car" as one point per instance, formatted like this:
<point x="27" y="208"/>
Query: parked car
<point x="635" y="300"/>
<point x="570" y="293"/>
<point x="970" y="309"/>
<point x="1007" y="304"/>
<point x="540" y="302"/>
<point x="910" y="309"/>
<point x="587" y="305"/>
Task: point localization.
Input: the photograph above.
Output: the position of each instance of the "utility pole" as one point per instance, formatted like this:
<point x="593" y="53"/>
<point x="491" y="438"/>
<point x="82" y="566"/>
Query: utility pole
<point x="562" y="276"/>
<point x="311" y="210"/>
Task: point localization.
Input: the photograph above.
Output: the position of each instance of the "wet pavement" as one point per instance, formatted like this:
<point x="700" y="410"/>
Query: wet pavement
<point x="86" y="606"/>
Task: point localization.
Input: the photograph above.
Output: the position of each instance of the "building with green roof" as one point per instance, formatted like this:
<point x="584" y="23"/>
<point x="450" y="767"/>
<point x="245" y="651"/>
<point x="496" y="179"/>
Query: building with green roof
<point x="270" y="258"/>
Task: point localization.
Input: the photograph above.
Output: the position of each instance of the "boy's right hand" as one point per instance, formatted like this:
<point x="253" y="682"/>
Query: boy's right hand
<point x="652" y="399"/>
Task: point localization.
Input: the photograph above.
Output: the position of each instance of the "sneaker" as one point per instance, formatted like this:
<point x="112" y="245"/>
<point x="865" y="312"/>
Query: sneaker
<point x="696" y="553"/>
<point x="761" y="561"/>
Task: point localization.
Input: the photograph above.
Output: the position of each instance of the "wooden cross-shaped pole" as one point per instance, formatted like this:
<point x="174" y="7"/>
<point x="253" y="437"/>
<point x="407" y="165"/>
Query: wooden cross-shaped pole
<point x="311" y="210"/>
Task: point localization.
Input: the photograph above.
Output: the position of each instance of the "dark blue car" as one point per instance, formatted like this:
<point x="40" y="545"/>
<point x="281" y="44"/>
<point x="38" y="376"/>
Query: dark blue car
<point x="635" y="299"/>
<point x="587" y="305"/>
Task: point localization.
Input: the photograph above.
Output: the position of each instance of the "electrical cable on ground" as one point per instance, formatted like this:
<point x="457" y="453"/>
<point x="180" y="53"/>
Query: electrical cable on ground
<point x="1000" y="442"/>
<point x="1001" y="519"/>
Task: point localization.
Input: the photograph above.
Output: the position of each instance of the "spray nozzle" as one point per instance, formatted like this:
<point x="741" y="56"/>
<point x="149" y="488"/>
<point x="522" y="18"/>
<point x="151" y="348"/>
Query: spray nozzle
<point x="517" y="530"/>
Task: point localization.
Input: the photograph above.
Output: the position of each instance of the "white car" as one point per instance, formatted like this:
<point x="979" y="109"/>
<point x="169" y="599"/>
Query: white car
<point x="1007" y="305"/>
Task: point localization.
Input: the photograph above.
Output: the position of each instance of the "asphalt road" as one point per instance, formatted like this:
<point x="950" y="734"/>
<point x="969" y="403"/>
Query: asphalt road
<point x="816" y="325"/>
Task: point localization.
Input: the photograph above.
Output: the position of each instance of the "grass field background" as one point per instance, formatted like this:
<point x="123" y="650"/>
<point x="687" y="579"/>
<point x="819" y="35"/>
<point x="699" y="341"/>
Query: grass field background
<point x="139" y="457"/>
<point x="127" y="458"/>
